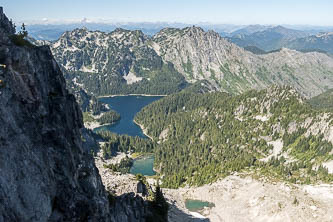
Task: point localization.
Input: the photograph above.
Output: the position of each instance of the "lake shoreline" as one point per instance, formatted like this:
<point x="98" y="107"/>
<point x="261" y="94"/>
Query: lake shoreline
<point x="144" y="130"/>
<point x="134" y="94"/>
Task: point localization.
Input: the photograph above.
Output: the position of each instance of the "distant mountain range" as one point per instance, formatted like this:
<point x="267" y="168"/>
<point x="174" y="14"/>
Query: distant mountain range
<point x="250" y="30"/>
<point x="273" y="38"/>
<point x="52" y="31"/>
<point x="125" y="61"/>
<point x="268" y="39"/>
<point x="321" y="41"/>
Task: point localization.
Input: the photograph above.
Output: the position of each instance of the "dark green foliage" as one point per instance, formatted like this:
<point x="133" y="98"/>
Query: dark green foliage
<point x="159" y="201"/>
<point x="117" y="60"/>
<point x="323" y="101"/>
<point x="163" y="81"/>
<point x="111" y="198"/>
<point x="123" y="143"/>
<point x="123" y="167"/>
<point x="109" y="117"/>
<point x="19" y="39"/>
<point x="159" y="206"/>
<point x="139" y="177"/>
<point x="255" y="50"/>
<point x="206" y="141"/>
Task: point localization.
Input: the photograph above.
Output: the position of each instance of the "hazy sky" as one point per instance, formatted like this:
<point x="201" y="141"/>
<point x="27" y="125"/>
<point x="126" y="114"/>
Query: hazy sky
<point x="313" y="12"/>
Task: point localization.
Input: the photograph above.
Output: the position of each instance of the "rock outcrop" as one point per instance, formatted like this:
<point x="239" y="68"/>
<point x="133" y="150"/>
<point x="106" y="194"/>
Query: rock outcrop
<point x="46" y="172"/>
<point x="5" y="23"/>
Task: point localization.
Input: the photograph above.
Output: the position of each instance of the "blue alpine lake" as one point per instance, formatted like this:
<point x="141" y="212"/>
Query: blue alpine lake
<point x="127" y="107"/>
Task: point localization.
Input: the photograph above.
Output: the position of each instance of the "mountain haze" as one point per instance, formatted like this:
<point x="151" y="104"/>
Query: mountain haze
<point x="268" y="39"/>
<point x="322" y="41"/>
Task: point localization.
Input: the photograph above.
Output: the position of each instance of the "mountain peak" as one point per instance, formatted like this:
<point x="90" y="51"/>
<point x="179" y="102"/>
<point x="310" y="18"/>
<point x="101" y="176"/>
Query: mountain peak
<point x="5" y="24"/>
<point x="194" y="29"/>
<point x="279" y="27"/>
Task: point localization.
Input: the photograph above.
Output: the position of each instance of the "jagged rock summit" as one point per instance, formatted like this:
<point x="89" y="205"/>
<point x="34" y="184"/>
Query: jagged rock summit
<point x="6" y="25"/>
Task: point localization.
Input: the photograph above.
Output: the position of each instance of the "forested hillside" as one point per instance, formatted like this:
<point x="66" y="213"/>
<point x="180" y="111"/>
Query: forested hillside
<point x="203" y="137"/>
<point x="323" y="101"/>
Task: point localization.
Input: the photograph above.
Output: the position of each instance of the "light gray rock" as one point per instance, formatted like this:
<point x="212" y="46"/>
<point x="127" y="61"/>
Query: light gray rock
<point x="206" y="55"/>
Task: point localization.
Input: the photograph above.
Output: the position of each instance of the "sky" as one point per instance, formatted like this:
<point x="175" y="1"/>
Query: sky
<point x="240" y="12"/>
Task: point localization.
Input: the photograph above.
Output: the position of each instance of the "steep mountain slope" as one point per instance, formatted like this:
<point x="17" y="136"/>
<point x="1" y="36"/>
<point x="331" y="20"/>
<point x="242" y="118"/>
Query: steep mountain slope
<point x="322" y="41"/>
<point x="203" y="137"/>
<point x="114" y="63"/>
<point x="323" y="101"/>
<point x="268" y="39"/>
<point x="46" y="170"/>
<point x="205" y="55"/>
<point x="130" y="62"/>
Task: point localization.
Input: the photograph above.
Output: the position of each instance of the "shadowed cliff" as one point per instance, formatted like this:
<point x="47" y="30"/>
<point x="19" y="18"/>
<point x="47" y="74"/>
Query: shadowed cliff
<point x="46" y="172"/>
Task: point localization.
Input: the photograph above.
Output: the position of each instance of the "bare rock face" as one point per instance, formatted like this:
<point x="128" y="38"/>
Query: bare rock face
<point x="46" y="173"/>
<point x="202" y="55"/>
<point x="6" y="25"/>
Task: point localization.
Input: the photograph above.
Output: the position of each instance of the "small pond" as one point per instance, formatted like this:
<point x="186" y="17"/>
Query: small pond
<point x="143" y="165"/>
<point x="197" y="205"/>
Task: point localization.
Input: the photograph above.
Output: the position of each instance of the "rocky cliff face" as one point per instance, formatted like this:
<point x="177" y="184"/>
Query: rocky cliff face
<point x="46" y="173"/>
<point x="205" y="55"/>
<point x="6" y="25"/>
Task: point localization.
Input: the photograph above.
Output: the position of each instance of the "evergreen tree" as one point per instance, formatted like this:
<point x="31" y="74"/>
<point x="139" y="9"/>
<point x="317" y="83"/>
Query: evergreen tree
<point x="159" y="202"/>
